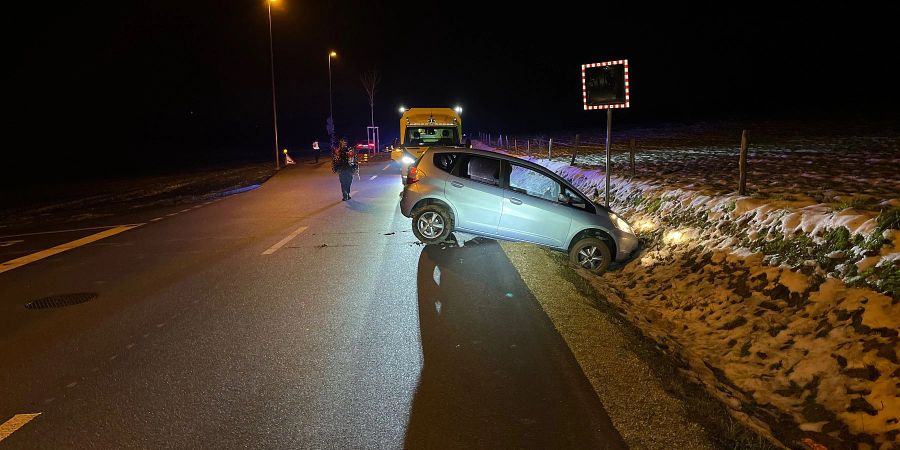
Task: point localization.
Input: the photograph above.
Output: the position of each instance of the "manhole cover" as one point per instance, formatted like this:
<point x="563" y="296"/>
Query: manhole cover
<point x="58" y="301"/>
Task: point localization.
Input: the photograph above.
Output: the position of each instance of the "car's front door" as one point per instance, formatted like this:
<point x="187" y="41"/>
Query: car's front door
<point x="475" y="193"/>
<point x="531" y="208"/>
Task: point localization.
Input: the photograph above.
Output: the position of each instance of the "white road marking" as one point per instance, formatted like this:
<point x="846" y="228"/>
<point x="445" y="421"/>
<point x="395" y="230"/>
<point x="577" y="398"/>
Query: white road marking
<point x="387" y="167"/>
<point x="18" y="421"/>
<point x="9" y="243"/>
<point x="170" y="215"/>
<point x="281" y="243"/>
<point x="156" y="219"/>
<point x="106" y="227"/>
<point x="28" y="259"/>
<point x="185" y="210"/>
<point x="373" y="177"/>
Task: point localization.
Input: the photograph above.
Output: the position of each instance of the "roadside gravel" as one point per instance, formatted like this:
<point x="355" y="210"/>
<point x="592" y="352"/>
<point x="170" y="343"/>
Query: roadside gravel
<point x="648" y="400"/>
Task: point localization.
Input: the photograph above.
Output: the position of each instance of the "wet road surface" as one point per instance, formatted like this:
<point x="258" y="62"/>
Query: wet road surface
<point x="283" y="317"/>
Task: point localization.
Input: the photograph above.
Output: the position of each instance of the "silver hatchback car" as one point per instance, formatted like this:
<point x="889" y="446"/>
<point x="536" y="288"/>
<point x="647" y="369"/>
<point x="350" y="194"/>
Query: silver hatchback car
<point x="503" y="197"/>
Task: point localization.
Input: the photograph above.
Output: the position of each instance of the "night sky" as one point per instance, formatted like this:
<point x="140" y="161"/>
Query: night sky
<point x="163" y="85"/>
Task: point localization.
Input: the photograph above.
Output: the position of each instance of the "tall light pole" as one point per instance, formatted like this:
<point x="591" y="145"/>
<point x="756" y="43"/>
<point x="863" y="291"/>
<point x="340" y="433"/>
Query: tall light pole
<point x="272" y="65"/>
<point x="331" y="54"/>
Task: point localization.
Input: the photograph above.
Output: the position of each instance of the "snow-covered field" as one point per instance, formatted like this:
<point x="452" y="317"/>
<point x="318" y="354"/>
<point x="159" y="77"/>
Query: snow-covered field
<point x="784" y="302"/>
<point x="830" y="163"/>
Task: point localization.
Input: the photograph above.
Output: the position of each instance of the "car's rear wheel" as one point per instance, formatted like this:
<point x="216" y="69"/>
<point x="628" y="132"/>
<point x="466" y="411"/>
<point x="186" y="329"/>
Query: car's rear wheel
<point x="591" y="254"/>
<point x="432" y="224"/>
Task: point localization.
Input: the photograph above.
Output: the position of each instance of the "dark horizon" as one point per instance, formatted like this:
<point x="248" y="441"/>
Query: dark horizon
<point x="166" y="84"/>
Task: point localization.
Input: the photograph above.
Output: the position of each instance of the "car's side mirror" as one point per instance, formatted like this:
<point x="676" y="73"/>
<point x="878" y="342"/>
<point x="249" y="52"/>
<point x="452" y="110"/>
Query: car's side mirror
<point x="563" y="198"/>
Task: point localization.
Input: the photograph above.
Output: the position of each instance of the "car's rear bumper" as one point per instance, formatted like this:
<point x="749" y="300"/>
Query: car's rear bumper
<point x="406" y="203"/>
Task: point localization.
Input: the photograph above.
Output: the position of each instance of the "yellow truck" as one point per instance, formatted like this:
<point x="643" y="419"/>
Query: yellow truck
<point x="422" y="128"/>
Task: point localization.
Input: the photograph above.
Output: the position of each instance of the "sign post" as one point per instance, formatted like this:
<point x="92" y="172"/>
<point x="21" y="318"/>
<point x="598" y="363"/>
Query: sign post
<point x="605" y="86"/>
<point x="373" y="139"/>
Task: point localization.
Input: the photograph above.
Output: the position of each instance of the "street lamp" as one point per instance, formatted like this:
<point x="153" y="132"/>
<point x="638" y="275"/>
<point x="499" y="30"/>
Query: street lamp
<point x="272" y="66"/>
<point x="331" y="54"/>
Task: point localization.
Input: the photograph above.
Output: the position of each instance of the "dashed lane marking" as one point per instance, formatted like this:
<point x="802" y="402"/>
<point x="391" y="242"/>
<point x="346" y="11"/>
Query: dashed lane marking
<point x="28" y="259"/>
<point x="10" y="243"/>
<point x="156" y="219"/>
<point x="18" y="421"/>
<point x="373" y="177"/>
<point x="387" y="167"/>
<point x="287" y="239"/>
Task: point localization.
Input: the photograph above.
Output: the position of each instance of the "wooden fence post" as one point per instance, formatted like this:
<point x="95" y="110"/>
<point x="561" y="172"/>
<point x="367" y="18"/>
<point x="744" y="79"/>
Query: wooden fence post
<point x="742" y="166"/>
<point x="575" y="150"/>
<point x="631" y="157"/>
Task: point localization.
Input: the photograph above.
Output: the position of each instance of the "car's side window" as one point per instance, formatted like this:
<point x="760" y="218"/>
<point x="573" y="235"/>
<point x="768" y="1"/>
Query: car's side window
<point x="533" y="183"/>
<point x="481" y="169"/>
<point x="445" y="161"/>
<point x="576" y="201"/>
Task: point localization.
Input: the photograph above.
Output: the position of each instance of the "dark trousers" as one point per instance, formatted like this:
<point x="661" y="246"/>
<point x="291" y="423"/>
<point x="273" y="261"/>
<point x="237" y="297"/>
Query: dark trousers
<point x="346" y="176"/>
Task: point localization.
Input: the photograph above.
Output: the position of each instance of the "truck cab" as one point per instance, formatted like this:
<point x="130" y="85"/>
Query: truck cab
<point x="423" y="128"/>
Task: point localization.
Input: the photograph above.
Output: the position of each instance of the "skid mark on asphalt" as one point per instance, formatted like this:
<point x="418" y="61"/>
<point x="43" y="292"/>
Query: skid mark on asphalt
<point x="18" y="421"/>
<point x="287" y="239"/>
<point x="28" y="259"/>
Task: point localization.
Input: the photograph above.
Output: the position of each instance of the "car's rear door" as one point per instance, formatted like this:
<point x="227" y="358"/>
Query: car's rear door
<point x="474" y="191"/>
<point x="531" y="208"/>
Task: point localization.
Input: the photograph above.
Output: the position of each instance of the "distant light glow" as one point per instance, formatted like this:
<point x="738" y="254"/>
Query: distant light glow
<point x="332" y="54"/>
<point x="402" y="110"/>
<point x="458" y="109"/>
<point x="407" y="160"/>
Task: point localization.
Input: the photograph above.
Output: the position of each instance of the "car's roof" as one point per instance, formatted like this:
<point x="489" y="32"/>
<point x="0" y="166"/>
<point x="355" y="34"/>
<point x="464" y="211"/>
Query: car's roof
<point x="508" y="157"/>
<point x="490" y="154"/>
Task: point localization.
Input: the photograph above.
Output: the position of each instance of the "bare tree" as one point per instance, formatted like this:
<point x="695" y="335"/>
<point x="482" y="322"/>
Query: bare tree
<point x="370" y="82"/>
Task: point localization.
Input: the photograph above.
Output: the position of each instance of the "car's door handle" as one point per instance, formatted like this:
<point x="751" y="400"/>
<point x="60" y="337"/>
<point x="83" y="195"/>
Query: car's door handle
<point x="515" y="201"/>
<point x="456" y="184"/>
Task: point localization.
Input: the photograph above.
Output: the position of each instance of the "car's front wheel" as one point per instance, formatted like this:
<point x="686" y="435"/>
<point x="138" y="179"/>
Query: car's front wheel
<point x="591" y="254"/>
<point x="432" y="224"/>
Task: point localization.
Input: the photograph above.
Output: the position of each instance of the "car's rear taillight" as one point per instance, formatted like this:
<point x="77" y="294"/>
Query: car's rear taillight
<point x="413" y="175"/>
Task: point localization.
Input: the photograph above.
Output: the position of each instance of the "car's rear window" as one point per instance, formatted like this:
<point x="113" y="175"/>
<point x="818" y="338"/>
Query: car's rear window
<point x="445" y="161"/>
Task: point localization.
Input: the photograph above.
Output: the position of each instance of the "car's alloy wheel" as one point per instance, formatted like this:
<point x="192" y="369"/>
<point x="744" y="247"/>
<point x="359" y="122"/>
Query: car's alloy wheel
<point x="430" y="224"/>
<point x="591" y="254"/>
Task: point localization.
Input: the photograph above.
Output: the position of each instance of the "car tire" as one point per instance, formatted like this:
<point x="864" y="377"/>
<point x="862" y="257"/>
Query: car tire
<point x="432" y="224"/>
<point x="590" y="254"/>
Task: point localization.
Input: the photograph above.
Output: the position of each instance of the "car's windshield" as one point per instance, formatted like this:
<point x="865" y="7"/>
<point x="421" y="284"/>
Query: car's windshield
<point x="431" y="136"/>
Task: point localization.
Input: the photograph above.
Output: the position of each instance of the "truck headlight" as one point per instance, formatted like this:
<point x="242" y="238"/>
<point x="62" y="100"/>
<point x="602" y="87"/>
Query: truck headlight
<point x="620" y="223"/>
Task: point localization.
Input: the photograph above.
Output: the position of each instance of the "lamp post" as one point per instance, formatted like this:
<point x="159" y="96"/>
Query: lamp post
<point x="272" y="66"/>
<point x="331" y="54"/>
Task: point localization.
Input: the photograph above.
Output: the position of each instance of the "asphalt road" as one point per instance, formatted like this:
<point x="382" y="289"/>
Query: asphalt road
<point x="283" y="317"/>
